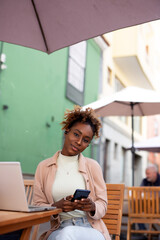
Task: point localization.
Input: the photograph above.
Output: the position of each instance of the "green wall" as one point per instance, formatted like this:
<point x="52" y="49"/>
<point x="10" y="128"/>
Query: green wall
<point x="34" y="88"/>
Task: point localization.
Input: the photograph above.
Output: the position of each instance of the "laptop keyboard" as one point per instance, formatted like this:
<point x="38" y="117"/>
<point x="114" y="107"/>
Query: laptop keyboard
<point x="39" y="208"/>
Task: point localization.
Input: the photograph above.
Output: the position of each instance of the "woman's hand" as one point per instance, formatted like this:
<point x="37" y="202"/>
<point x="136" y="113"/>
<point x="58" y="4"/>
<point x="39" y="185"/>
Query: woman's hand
<point x="65" y="204"/>
<point x="85" y="204"/>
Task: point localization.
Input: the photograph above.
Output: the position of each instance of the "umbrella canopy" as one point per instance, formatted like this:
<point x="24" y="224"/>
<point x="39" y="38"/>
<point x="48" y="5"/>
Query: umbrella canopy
<point x="150" y="145"/>
<point x="131" y="101"/>
<point x="145" y="102"/>
<point x="49" y="25"/>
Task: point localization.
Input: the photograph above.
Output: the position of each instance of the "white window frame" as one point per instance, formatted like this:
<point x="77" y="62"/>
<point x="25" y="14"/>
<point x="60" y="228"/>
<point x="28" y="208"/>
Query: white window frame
<point x="76" y="72"/>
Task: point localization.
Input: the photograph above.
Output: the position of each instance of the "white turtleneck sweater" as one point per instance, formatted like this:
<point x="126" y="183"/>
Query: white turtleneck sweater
<point x="67" y="180"/>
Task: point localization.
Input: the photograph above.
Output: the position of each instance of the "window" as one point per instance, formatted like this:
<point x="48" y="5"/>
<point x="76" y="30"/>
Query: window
<point x="76" y="72"/>
<point x="105" y="161"/>
<point x="118" y="87"/>
<point x="109" y="76"/>
<point x="118" y="84"/>
<point x="115" y="150"/>
<point x="138" y="124"/>
<point x="156" y="125"/>
<point x="124" y="168"/>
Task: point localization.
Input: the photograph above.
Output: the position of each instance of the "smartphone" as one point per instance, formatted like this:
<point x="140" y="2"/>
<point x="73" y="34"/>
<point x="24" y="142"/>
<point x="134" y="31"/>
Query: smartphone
<point x="80" y="193"/>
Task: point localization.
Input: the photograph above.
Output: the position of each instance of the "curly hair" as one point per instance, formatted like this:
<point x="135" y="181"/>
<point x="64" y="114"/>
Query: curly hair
<point x="87" y="116"/>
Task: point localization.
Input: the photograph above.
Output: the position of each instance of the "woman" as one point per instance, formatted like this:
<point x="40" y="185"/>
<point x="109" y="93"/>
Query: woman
<point x="58" y="177"/>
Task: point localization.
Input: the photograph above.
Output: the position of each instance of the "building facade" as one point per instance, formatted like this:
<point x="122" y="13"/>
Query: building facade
<point x="35" y="90"/>
<point x="131" y="58"/>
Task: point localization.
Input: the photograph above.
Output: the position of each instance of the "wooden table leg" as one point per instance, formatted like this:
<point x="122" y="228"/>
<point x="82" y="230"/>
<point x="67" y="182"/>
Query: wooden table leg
<point x="26" y="233"/>
<point x="35" y="232"/>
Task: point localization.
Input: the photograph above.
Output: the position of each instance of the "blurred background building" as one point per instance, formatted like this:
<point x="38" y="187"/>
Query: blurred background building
<point x="131" y="58"/>
<point x="35" y="90"/>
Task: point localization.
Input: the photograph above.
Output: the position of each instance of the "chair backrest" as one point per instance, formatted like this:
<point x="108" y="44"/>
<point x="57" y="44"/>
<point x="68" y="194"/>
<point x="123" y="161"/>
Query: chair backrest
<point x="113" y="217"/>
<point x="144" y="201"/>
<point x="28" y="183"/>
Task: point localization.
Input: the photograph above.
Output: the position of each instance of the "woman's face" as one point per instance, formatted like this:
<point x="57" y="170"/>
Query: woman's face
<point x="77" y="139"/>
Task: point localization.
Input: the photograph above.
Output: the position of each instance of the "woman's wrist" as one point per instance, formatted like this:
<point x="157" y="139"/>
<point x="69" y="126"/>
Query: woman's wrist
<point x="54" y="205"/>
<point x="93" y="208"/>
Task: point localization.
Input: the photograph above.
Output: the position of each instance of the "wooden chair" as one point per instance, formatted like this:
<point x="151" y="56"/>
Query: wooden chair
<point x="113" y="217"/>
<point x="143" y="207"/>
<point x="28" y="183"/>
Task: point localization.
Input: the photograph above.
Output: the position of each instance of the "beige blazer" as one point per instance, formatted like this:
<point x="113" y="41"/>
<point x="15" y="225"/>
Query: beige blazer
<point x="92" y="173"/>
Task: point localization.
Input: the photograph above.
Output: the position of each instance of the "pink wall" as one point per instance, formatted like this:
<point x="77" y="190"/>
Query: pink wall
<point x="153" y="129"/>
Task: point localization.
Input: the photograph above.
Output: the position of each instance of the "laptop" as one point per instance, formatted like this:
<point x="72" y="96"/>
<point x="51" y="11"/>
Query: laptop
<point x="12" y="190"/>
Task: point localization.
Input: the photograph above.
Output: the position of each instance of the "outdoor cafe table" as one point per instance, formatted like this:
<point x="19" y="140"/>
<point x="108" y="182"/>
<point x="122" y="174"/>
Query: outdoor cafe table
<point x="12" y="221"/>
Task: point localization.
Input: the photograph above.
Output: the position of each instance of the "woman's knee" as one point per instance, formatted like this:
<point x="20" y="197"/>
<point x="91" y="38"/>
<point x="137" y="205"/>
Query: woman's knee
<point x="67" y="233"/>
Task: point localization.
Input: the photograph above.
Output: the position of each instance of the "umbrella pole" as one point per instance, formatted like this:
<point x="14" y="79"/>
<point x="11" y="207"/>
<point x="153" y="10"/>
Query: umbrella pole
<point x="132" y="149"/>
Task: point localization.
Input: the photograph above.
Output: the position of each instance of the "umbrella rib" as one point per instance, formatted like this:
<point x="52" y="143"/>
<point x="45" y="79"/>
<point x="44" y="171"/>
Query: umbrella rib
<point x="123" y="103"/>
<point x="141" y="109"/>
<point x="43" y="35"/>
<point x="139" y="106"/>
<point x="129" y="103"/>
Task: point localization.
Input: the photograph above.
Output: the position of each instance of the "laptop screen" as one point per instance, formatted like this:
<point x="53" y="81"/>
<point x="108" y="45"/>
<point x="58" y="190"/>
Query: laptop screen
<point x="12" y="191"/>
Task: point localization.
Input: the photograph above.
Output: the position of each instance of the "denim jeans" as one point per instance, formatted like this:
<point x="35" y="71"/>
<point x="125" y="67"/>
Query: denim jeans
<point x="11" y="236"/>
<point x="76" y="229"/>
<point x="141" y="226"/>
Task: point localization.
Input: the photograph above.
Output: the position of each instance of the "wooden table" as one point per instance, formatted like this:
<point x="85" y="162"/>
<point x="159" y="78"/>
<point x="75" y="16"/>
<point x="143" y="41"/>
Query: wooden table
<point x="12" y="221"/>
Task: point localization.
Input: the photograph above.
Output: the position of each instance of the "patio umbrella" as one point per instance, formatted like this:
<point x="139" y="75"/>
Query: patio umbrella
<point x="131" y="101"/>
<point x="49" y="25"/>
<point x="150" y="145"/>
